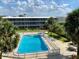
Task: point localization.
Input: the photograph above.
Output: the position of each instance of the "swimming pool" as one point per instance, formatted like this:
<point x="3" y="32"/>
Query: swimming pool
<point x="31" y="44"/>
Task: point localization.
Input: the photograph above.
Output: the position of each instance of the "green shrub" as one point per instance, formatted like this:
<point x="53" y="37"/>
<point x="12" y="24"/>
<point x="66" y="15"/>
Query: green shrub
<point x="54" y="35"/>
<point x="17" y="37"/>
<point x="64" y="39"/>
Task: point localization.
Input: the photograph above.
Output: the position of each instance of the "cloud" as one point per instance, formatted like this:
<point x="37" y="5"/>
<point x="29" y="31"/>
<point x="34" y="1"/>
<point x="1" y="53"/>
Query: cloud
<point x="19" y="3"/>
<point x="1" y="7"/>
<point x="4" y="11"/>
<point x="54" y="3"/>
<point x="41" y="2"/>
<point x="35" y="7"/>
<point x="7" y="1"/>
<point x="63" y="5"/>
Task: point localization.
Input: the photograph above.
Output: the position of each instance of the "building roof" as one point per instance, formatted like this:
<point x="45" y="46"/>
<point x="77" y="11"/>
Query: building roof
<point x="25" y="17"/>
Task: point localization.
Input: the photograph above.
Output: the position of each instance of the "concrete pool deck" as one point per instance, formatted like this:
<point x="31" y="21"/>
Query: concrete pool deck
<point x="50" y="51"/>
<point x="61" y="45"/>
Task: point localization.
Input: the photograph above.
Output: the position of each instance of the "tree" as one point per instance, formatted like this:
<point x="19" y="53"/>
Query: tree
<point x="48" y="23"/>
<point x="22" y="15"/>
<point x="7" y="37"/>
<point x="53" y="26"/>
<point x="72" y="28"/>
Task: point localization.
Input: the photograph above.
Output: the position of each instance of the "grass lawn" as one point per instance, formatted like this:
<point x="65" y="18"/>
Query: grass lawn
<point x="29" y="30"/>
<point x="56" y="36"/>
<point x="50" y="34"/>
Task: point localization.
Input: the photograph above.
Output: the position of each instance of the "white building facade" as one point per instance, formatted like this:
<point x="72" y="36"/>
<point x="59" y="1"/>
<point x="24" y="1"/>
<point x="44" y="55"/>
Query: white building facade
<point x="26" y="22"/>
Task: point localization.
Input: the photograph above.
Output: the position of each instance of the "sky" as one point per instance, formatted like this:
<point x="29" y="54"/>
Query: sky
<point x="45" y="8"/>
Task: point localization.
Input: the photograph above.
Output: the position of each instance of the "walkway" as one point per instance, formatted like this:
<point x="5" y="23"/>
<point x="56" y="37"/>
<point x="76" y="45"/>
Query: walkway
<point x="63" y="52"/>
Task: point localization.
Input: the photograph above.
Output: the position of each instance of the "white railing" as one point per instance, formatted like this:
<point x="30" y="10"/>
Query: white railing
<point x="29" y="21"/>
<point x="31" y="55"/>
<point x="55" y="49"/>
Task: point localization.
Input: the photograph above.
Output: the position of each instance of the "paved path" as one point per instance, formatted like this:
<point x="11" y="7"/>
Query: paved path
<point x="63" y="51"/>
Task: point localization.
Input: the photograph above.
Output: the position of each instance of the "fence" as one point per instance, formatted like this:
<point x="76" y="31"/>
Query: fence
<point x="53" y="45"/>
<point x="55" y="50"/>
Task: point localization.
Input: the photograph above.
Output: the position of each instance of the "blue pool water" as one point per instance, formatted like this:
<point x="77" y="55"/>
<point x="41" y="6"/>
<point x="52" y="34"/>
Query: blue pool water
<point x="31" y="44"/>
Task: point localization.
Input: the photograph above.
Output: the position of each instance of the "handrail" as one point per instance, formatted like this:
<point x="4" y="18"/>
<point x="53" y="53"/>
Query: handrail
<point x="32" y="55"/>
<point x="35" y="55"/>
<point x="56" y="49"/>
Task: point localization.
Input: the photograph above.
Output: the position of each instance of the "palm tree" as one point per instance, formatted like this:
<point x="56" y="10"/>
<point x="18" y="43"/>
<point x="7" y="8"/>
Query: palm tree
<point x="72" y="28"/>
<point x="53" y="26"/>
<point x="48" y="23"/>
<point x="7" y="37"/>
